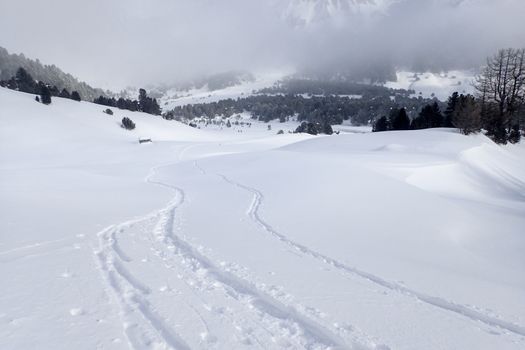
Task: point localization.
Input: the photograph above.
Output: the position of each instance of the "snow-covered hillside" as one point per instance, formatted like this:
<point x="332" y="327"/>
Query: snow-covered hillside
<point x="174" y="98"/>
<point x="217" y="239"/>
<point x="440" y="85"/>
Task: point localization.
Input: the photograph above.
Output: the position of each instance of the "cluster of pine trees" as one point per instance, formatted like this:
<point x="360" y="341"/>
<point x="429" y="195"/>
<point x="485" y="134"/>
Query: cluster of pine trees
<point x="430" y="116"/>
<point x="319" y="87"/>
<point x="315" y="128"/>
<point x="24" y="82"/>
<point x="144" y="104"/>
<point x="498" y="110"/>
<point x="316" y="109"/>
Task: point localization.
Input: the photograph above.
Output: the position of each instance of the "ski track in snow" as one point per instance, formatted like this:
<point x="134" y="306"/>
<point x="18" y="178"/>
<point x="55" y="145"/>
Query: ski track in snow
<point x="253" y="214"/>
<point x="316" y="335"/>
<point x="144" y="328"/>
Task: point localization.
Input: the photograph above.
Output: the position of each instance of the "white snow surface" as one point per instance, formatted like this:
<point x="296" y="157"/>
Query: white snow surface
<point x="439" y="85"/>
<point x="220" y="239"/>
<point x="175" y="98"/>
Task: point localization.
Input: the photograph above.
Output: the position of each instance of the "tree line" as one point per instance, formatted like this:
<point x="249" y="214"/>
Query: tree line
<point x="24" y="82"/>
<point x="143" y="104"/>
<point x="497" y="109"/>
<point x="317" y="87"/>
<point x="50" y="74"/>
<point x="331" y="109"/>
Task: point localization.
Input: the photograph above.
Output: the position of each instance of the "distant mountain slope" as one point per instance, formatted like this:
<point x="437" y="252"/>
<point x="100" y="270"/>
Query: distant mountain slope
<point x="51" y="74"/>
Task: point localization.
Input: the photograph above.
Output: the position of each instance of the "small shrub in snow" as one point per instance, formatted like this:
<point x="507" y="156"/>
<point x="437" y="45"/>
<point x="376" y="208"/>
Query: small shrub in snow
<point x="515" y="134"/>
<point x="108" y="111"/>
<point x="280" y="132"/>
<point x="128" y="123"/>
<point x="37" y="99"/>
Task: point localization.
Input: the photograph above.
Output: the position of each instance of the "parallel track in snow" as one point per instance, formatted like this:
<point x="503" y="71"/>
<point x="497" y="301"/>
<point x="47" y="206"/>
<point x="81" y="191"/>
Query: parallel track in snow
<point x="143" y="326"/>
<point x="315" y="335"/>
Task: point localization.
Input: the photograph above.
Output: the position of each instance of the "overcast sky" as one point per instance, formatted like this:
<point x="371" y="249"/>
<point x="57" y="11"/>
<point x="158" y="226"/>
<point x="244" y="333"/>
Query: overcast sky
<point x="113" y="43"/>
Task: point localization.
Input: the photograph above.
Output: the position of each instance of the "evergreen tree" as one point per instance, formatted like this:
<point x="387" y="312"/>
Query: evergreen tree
<point x="149" y="105"/>
<point x="429" y="117"/>
<point x="65" y="94"/>
<point x="25" y="82"/>
<point x="381" y="125"/>
<point x="75" y="96"/>
<point x="423" y="119"/>
<point x="436" y="118"/>
<point x="451" y="106"/>
<point x="143" y="99"/>
<point x="467" y="114"/>
<point x="401" y="120"/>
<point x="45" y="94"/>
<point x="54" y="91"/>
<point x="327" y="128"/>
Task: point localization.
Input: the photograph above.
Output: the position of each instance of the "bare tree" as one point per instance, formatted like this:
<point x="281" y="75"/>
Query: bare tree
<point x="502" y="84"/>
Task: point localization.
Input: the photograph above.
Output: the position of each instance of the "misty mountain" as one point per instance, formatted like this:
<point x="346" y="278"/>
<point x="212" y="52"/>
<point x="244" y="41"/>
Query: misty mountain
<point x="305" y="12"/>
<point x="309" y="12"/>
<point x="50" y="74"/>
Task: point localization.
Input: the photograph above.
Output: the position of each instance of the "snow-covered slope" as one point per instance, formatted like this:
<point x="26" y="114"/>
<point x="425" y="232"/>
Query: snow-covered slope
<point x="216" y="239"/>
<point x="174" y="98"/>
<point x="440" y="85"/>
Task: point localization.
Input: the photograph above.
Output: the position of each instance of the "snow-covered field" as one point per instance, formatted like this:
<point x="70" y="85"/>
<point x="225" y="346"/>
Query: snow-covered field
<point x="174" y="98"/>
<point x="217" y="239"/>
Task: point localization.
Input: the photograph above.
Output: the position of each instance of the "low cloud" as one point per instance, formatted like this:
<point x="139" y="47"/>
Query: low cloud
<point x="121" y="42"/>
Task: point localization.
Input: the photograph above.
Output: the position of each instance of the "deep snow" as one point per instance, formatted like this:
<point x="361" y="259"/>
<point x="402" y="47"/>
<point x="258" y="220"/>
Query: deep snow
<point x="227" y="240"/>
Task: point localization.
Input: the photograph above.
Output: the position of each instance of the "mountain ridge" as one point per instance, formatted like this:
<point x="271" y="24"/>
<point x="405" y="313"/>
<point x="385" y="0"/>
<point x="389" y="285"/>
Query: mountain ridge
<point x="49" y="74"/>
